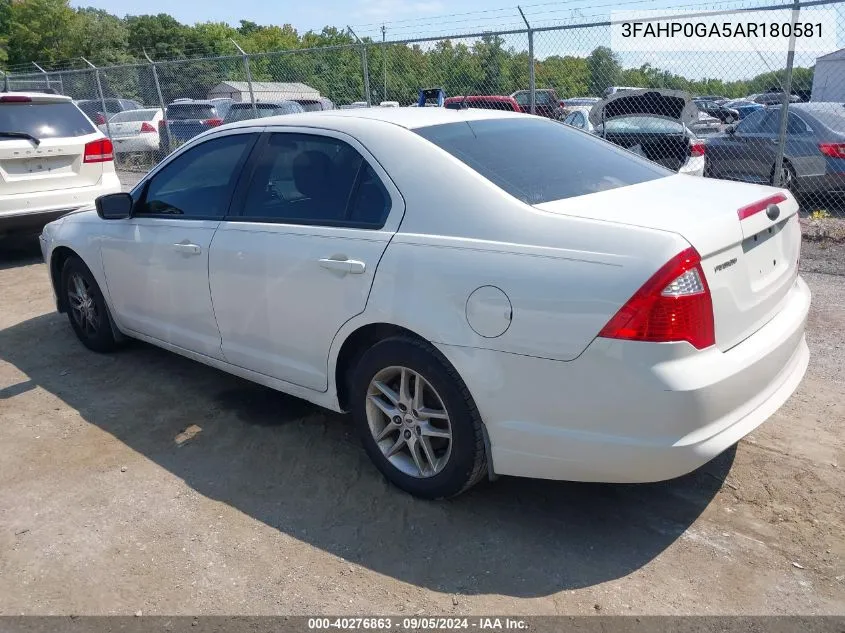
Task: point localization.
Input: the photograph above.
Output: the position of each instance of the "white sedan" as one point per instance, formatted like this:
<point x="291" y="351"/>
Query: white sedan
<point x="486" y="292"/>
<point x="134" y="130"/>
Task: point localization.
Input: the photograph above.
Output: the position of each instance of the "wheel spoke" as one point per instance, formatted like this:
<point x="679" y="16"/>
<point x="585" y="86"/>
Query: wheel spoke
<point x="431" y="431"/>
<point x="78" y="285"/>
<point x="400" y="442"/>
<point x="75" y="299"/>
<point x="432" y="414"/>
<point x="387" y="391"/>
<point x="387" y="430"/>
<point x="414" y="448"/>
<point x="418" y="392"/>
<point x="404" y="387"/>
<point x="383" y="406"/>
<point x="429" y="452"/>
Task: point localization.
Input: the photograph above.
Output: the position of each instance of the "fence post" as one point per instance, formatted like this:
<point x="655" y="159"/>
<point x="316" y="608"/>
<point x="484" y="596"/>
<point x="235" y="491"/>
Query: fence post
<point x="384" y="59"/>
<point x="532" y="86"/>
<point x="5" y="81"/>
<point x="787" y="94"/>
<point x="166" y="141"/>
<point x="46" y="74"/>
<point x="102" y="96"/>
<point x="363" y="67"/>
<point x="245" y="57"/>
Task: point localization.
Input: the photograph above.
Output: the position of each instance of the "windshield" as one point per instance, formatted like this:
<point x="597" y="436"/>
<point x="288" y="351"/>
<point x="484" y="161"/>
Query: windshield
<point x="44" y="120"/>
<point x="182" y="111"/>
<point x="643" y="125"/>
<point x="133" y="115"/>
<point x="243" y="111"/>
<point x="536" y="160"/>
<point x="310" y="106"/>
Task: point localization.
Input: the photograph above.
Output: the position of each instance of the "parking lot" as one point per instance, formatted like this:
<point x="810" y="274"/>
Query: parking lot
<point x="108" y="506"/>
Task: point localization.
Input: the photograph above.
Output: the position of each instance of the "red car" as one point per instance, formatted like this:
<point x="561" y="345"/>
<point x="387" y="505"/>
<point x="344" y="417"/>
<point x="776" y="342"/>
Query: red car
<point x="545" y="102"/>
<point x="486" y="102"/>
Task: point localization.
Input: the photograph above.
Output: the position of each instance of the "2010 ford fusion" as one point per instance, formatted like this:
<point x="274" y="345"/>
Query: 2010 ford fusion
<point x="486" y="292"/>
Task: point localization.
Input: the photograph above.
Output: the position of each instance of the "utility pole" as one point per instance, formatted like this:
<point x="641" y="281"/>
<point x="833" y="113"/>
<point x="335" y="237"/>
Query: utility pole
<point x="384" y="59"/>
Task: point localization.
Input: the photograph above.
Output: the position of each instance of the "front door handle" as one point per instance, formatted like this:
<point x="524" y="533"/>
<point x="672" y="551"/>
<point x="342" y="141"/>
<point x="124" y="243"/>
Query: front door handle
<point x="351" y="266"/>
<point x="187" y="248"/>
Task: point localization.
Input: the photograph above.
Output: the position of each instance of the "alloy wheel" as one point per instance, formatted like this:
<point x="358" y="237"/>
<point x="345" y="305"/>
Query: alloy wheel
<point x="83" y="307"/>
<point x="409" y="422"/>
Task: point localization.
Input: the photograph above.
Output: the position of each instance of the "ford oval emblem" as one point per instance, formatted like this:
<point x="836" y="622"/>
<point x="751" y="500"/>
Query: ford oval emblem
<point x="773" y="211"/>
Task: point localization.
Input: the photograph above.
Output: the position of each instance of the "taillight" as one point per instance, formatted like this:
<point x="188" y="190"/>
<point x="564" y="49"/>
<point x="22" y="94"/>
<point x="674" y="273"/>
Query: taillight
<point x="761" y="205"/>
<point x="15" y="99"/>
<point x="697" y="148"/>
<point x="99" y="151"/>
<point x="101" y="120"/>
<point x="146" y="126"/>
<point x="213" y="122"/>
<point x="834" y="150"/>
<point x="673" y="305"/>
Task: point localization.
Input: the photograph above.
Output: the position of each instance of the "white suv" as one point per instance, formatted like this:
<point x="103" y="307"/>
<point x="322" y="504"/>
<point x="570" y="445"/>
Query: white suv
<point x="53" y="160"/>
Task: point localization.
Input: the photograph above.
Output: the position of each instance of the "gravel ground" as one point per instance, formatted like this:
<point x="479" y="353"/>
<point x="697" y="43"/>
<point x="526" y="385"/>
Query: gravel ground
<point x="273" y="508"/>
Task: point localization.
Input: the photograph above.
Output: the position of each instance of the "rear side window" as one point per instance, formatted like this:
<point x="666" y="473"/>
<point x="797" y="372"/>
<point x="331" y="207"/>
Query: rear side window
<point x="44" y="120"/>
<point x="184" y="111"/>
<point x="536" y="160"/>
<point x="310" y="106"/>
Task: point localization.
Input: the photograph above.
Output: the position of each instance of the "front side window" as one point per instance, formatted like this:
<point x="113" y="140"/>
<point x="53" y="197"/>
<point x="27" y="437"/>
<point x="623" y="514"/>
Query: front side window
<point x="537" y="160"/>
<point x="197" y="183"/>
<point x="319" y="180"/>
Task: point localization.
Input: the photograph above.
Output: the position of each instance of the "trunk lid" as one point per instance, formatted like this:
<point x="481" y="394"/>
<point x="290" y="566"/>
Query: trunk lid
<point x="750" y="263"/>
<point x="55" y="159"/>
<point x="670" y="104"/>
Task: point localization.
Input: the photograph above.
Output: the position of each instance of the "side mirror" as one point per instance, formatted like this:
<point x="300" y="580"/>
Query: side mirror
<point x="114" y="206"/>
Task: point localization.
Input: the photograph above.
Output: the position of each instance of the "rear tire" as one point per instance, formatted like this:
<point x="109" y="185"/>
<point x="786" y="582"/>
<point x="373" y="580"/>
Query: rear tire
<point x="86" y="307"/>
<point x="787" y="179"/>
<point x="426" y="438"/>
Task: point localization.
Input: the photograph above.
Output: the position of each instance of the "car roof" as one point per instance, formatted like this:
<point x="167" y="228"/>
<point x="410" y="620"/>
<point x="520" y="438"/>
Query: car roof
<point x="502" y="98"/>
<point x="409" y="118"/>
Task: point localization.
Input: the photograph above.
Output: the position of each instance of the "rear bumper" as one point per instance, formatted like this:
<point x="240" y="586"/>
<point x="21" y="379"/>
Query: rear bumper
<point x="830" y="182"/>
<point x="694" y="166"/>
<point x="145" y="143"/>
<point x="633" y="412"/>
<point x="31" y="211"/>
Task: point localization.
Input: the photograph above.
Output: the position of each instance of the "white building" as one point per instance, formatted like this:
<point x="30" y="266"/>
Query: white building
<point x="829" y="77"/>
<point x="264" y="91"/>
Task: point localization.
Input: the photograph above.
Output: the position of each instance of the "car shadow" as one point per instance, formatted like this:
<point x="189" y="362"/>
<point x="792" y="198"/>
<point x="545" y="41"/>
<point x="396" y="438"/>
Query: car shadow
<point x="300" y="470"/>
<point x="19" y="250"/>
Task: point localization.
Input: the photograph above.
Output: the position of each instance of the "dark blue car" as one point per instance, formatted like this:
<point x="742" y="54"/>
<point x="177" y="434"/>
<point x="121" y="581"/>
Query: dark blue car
<point x="185" y="118"/>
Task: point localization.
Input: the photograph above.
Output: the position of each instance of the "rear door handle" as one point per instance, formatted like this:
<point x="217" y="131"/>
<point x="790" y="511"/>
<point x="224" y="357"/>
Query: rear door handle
<point x="351" y="266"/>
<point x="187" y="248"/>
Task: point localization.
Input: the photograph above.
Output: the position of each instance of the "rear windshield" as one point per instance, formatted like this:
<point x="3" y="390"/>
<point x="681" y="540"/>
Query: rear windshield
<point x="832" y="117"/>
<point x="181" y="111"/>
<point x="643" y="125"/>
<point x="243" y="112"/>
<point x="44" y="120"/>
<point x="484" y="104"/>
<point x="536" y="160"/>
<point x="133" y="115"/>
<point x="310" y="106"/>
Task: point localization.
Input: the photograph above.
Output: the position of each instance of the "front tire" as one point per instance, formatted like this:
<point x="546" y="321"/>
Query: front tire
<point x="86" y="307"/>
<point x="417" y="420"/>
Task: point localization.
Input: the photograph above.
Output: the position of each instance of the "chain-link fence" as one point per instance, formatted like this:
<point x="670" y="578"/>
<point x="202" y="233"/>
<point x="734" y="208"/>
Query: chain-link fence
<point x="769" y="116"/>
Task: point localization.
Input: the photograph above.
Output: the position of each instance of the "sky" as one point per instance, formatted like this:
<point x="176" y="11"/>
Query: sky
<point x="405" y="19"/>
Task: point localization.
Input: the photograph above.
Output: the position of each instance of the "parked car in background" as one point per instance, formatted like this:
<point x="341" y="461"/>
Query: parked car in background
<point x="772" y="98"/>
<point x="545" y="102"/>
<point x="715" y="98"/>
<point x="486" y="292"/>
<point x="135" y="130"/>
<point x="706" y="125"/>
<point x="93" y="108"/>
<point x="185" y="118"/>
<point x="263" y="109"/>
<point x="579" y="116"/>
<point x="486" y="102"/>
<point x="53" y="160"/>
<point x="656" y="124"/>
<point x="222" y="105"/>
<point x="743" y="107"/>
<point x="814" y="152"/>
<point x="720" y="111"/>
<point x="568" y="105"/>
<point x="612" y="90"/>
<point x="316" y="105"/>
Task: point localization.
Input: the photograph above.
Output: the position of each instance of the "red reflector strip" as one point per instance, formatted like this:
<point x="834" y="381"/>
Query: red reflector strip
<point x="15" y="99"/>
<point x="762" y="205"/>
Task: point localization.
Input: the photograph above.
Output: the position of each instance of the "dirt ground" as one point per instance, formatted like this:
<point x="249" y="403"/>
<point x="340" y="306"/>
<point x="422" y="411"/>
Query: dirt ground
<point x="273" y="508"/>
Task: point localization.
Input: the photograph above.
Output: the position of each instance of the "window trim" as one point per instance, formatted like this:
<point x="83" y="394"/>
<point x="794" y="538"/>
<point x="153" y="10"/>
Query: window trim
<point x="143" y="187"/>
<point x="237" y="207"/>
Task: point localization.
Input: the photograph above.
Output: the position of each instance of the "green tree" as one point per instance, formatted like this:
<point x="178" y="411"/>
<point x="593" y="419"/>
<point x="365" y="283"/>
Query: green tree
<point x="162" y="36"/>
<point x="100" y="37"/>
<point x="38" y="31"/>
<point x="604" y="70"/>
